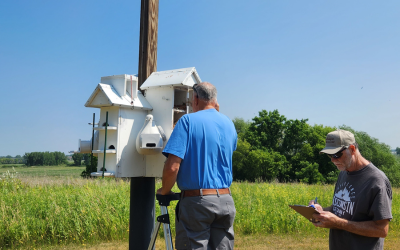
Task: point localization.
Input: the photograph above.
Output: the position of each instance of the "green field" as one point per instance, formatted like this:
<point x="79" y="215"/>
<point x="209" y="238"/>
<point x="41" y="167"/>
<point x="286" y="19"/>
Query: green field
<point x="43" y="171"/>
<point x="11" y="165"/>
<point x="47" y="206"/>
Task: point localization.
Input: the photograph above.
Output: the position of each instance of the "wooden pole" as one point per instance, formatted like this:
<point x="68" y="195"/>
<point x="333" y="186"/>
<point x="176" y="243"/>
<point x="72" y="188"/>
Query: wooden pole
<point x="148" y="39"/>
<point x="142" y="200"/>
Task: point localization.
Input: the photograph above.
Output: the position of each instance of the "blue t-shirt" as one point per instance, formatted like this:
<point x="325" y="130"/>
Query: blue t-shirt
<point x="205" y="142"/>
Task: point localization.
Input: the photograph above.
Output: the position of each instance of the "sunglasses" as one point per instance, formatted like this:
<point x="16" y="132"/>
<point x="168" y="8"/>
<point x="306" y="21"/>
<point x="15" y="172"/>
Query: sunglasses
<point x="337" y="155"/>
<point x="194" y="88"/>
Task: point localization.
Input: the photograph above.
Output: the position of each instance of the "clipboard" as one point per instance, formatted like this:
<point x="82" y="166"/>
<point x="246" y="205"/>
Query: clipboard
<point x="306" y="211"/>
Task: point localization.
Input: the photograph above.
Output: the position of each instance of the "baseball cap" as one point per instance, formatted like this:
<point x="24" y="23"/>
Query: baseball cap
<point x="337" y="140"/>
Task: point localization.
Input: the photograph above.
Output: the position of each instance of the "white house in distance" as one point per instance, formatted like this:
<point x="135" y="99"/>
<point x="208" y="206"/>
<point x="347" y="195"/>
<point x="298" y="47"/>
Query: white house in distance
<point x="139" y="126"/>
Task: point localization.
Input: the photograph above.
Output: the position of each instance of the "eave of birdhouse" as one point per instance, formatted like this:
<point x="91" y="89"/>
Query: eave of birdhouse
<point x="185" y="77"/>
<point x="105" y="95"/>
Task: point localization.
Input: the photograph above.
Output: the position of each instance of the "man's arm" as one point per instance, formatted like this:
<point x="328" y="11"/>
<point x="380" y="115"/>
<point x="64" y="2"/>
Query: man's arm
<point x="170" y="172"/>
<point x="377" y="228"/>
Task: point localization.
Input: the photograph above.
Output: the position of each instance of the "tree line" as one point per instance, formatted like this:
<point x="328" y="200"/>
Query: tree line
<point x="9" y="156"/>
<point x="12" y="161"/>
<point x="272" y="147"/>
<point x="45" y="158"/>
<point x="77" y="158"/>
<point x="50" y="159"/>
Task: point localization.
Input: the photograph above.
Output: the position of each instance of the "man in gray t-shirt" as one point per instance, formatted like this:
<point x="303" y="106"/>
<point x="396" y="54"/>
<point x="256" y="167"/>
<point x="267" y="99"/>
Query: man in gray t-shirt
<point x="361" y="208"/>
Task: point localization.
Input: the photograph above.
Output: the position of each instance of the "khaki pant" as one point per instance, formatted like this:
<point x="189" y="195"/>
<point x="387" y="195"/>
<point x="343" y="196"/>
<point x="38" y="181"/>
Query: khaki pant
<point x="205" y="222"/>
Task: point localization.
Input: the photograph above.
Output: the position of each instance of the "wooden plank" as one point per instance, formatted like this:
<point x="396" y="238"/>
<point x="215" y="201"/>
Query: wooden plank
<point x="148" y="39"/>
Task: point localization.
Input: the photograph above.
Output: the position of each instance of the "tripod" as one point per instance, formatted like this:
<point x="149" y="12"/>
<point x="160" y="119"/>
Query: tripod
<point x="163" y="201"/>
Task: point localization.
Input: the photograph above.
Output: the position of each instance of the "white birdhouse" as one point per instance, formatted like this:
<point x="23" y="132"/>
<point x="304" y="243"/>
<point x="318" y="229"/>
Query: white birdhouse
<point x="138" y="126"/>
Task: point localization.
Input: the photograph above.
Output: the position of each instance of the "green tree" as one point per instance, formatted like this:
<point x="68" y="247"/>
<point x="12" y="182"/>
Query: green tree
<point x="91" y="166"/>
<point x="49" y="159"/>
<point x="239" y="159"/>
<point x="296" y="141"/>
<point x="60" y="158"/>
<point x="398" y="150"/>
<point x="379" y="154"/>
<point x="309" y="173"/>
<point x="34" y="159"/>
<point x="43" y="158"/>
<point x="77" y="159"/>
<point x="241" y="126"/>
<point x="257" y="164"/>
<point x="274" y="147"/>
<point x="265" y="165"/>
<point x="86" y="159"/>
<point x="6" y="161"/>
<point x="266" y="131"/>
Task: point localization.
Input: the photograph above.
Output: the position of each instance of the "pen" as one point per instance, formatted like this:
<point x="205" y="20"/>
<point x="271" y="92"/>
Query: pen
<point x="315" y="202"/>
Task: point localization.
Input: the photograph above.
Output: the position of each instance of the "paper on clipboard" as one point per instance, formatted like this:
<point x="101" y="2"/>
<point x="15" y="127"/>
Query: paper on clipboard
<point x="306" y="211"/>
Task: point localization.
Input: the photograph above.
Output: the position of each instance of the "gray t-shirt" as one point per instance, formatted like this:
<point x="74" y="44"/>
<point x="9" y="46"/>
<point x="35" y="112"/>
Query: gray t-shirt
<point x="364" y="195"/>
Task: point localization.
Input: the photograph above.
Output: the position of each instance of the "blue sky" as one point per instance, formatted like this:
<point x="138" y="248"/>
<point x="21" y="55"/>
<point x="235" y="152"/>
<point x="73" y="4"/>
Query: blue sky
<point x="332" y="62"/>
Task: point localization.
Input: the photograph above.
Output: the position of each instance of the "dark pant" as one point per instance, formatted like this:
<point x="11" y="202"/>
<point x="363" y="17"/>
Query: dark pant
<point x="205" y="222"/>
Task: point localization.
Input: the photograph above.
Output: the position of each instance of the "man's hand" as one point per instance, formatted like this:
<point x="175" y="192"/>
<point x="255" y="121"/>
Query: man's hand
<point x="160" y="191"/>
<point x="317" y="206"/>
<point x="325" y="219"/>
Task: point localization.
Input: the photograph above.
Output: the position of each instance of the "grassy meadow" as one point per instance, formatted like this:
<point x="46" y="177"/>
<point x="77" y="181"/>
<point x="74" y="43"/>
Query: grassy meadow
<point x="43" y="172"/>
<point x="46" y="207"/>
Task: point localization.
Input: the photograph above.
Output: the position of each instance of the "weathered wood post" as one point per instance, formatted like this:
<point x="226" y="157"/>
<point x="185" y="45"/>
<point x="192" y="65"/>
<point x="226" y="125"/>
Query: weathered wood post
<point x="142" y="199"/>
<point x="148" y="39"/>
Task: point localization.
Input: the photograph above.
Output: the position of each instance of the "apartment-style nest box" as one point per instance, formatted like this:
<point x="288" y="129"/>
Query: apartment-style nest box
<point x="139" y="126"/>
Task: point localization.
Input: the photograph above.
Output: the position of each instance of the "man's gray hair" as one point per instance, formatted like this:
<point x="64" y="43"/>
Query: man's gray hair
<point x="206" y="91"/>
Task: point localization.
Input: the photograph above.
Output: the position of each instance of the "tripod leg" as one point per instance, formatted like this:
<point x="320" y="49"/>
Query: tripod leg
<point x="154" y="236"/>
<point x="167" y="231"/>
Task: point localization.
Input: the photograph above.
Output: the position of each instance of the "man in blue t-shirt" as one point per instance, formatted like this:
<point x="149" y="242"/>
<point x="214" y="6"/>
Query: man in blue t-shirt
<point x="199" y="155"/>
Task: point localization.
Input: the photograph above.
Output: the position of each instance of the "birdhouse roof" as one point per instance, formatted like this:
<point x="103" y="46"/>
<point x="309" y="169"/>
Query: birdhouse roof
<point x="177" y="77"/>
<point x="105" y="95"/>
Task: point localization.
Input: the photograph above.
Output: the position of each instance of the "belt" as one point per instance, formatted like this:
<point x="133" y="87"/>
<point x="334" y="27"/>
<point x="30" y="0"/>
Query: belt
<point x="201" y="192"/>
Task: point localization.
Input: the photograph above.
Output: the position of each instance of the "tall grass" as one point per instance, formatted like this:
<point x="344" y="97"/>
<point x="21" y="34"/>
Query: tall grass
<point x="45" y="172"/>
<point x="83" y="211"/>
<point x="78" y="211"/>
<point x="11" y="165"/>
<point x="264" y="207"/>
